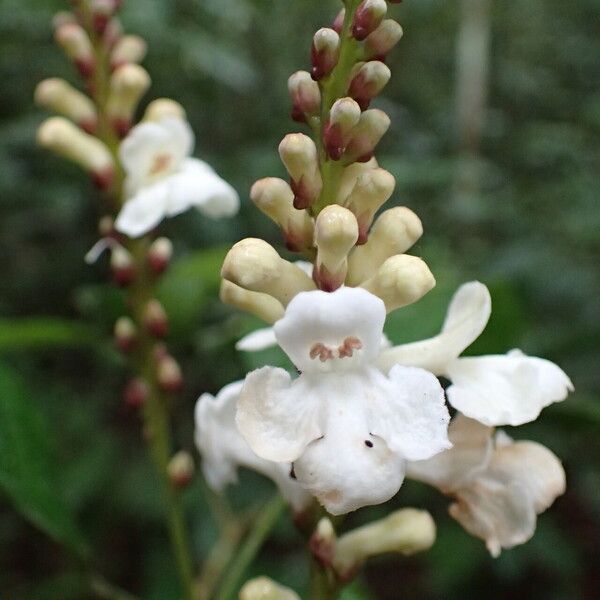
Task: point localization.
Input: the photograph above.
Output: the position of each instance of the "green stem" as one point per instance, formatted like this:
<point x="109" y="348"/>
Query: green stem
<point x="323" y="585"/>
<point x="265" y="521"/>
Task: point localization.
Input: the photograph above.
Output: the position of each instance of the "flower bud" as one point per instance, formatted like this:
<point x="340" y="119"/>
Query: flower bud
<point x="128" y="49"/>
<point x="263" y="588"/>
<point x="160" y="254"/>
<point x="62" y="137"/>
<point x="63" y="17"/>
<point x="112" y="33"/>
<point x="136" y="393"/>
<point x="383" y="39"/>
<point x="59" y="96"/>
<point x="338" y="22"/>
<point x="125" y="334"/>
<point x="76" y="44"/>
<point x="367" y="18"/>
<point x="255" y="265"/>
<point x="181" y="469"/>
<point x="400" y="281"/>
<point x="305" y="95"/>
<point x="263" y="306"/>
<point x="336" y="232"/>
<point x="169" y="375"/>
<point x="127" y="86"/>
<point x="350" y="176"/>
<point x="122" y="265"/>
<point x="366" y="135"/>
<point x="275" y="198"/>
<point x="368" y="81"/>
<point x="372" y="189"/>
<point x="106" y="226"/>
<point x="163" y="107"/>
<point x="405" y="531"/>
<point x="299" y="155"/>
<point x="155" y="319"/>
<point x="322" y="542"/>
<point x="343" y="117"/>
<point x="394" y="232"/>
<point x="102" y="11"/>
<point x="324" y="52"/>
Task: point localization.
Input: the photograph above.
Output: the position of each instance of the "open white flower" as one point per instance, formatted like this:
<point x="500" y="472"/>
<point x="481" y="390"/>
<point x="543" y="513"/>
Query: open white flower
<point x="499" y="486"/>
<point x="509" y="389"/>
<point x="223" y="449"/>
<point x="162" y="180"/>
<point x="347" y="428"/>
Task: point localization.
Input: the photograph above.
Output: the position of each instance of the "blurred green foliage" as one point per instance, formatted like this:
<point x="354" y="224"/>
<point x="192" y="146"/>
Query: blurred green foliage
<point x="532" y="234"/>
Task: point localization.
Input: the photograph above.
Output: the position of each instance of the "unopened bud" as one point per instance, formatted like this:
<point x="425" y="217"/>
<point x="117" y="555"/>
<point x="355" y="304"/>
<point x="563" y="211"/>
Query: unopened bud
<point x="406" y="532"/>
<point x="255" y="265"/>
<point x="76" y="44"/>
<point x="336" y="232"/>
<point x="125" y="334"/>
<point x="66" y="139"/>
<point x="106" y="226"/>
<point x="383" y="39"/>
<point x="169" y="374"/>
<point x="372" y="189"/>
<point x="160" y="254"/>
<point x="181" y="469"/>
<point x="61" y="97"/>
<point x="338" y="22"/>
<point x="162" y="108"/>
<point x="63" y="17"/>
<point x="102" y="11"/>
<point x="400" y="281"/>
<point x="349" y="177"/>
<point x="299" y="155"/>
<point x="324" y="52"/>
<point x="366" y="135"/>
<point x="322" y="542"/>
<point x="343" y="117"/>
<point x="367" y="18"/>
<point x="263" y="588"/>
<point x="136" y="393"/>
<point x="122" y="265"/>
<point x="127" y="86"/>
<point x="394" y="232"/>
<point x="112" y="33"/>
<point x="368" y="81"/>
<point x="305" y="95"/>
<point x="275" y="198"/>
<point x="155" y="319"/>
<point x="128" y="49"/>
<point x="263" y="306"/>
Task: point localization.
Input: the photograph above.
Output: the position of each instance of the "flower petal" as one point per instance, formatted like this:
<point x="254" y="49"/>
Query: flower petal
<point x="144" y="211"/>
<point x="278" y="417"/>
<point x="330" y="319"/>
<point x="505" y="390"/>
<point x="467" y="316"/>
<point x="261" y="339"/>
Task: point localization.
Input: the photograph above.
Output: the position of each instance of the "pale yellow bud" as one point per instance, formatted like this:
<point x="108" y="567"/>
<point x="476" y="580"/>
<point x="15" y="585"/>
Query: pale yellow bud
<point x="63" y="17"/>
<point x="325" y="52"/>
<point x="275" y="198"/>
<point x="350" y="176"/>
<point x="76" y="44"/>
<point x="263" y="306"/>
<point x="366" y="135"/>
<point x="305" y="94"/>
<point x="336" y="233"/>
<point x="368" y="81"/>
<point x="127" y="86"/>
<point x="162" y="108"/>
<point x="255" y="265"/>
<point x="61" y="97"/>
<point x="400" y="281"/>
<point x="169" y="375"/>
<point x="181" y="469"/>
<point x="263" y="588"/>
<point x="383" y="39"/>
<point x="128" y="49"/>
<point x="394" y="232"/>
<point x="343" y="117"/>
<point x="406" y="532"/>
<point x="63" y="137"/>
<point x="322" y="542"/>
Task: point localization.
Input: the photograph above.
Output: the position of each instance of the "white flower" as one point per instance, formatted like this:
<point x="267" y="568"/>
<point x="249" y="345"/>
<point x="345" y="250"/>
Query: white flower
<point x="223" y="449"/>
<point x="163" y="181"/>
<point x="499" y="486"/>
<point x="347" y="428"/>
<point x="509" y="389"/>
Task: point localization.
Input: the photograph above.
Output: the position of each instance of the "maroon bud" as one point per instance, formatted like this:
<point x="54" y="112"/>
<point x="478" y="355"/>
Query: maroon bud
<point x="338" y="23"/>
<point x="169" y="375"/>
<point x="181" y="469"/>
<point x="324" y="52"/>
<point x="155" y="319"/>
<point x="125" y="334"/>
<point x="136" y="393"/>
<point x="367" y="18"/>
<point x="159" y="255"/>
<point x="122" y="265"/>
<point x="334" y="141"/>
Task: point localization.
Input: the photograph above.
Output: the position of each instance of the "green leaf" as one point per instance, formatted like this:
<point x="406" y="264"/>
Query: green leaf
<point x="34" y="333"/>
<point x="28" y="469"/>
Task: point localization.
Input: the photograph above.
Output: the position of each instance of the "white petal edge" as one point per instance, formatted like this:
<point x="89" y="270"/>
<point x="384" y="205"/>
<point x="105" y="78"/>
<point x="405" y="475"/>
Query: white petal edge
<point x="261" y="339"/>
<point x="144" y="211"/>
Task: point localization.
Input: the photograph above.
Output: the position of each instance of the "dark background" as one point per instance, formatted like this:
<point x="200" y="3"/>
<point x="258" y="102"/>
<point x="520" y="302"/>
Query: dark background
<point x="519" y="212"/>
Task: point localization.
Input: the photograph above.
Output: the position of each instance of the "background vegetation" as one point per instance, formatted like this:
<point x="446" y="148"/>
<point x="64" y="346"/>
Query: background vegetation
<point x="529" y="229"/>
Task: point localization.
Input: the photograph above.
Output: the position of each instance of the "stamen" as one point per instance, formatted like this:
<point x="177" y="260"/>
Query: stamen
<point x="160" y="163"/>
<point x="346" y="350"/>
<point x="321" y="351"/>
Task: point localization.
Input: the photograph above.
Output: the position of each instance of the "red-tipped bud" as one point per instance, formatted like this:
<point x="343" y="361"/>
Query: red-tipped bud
<point x="382" y="40"/>
<point x="324" y="52"/>
<point x="136" y="393"/>
<point x="369" y="80"/>
<point x="122" y="266"/>
<point x="367" y="18"/>
<point x="128" y="49"/>
<point x="73" y="39"/>
<point x="106" y="226"/>
<point x="371" y="127"/>
<point x="181" y="469"/>
<point x="155" y="319"/>
<point x="102" y="11"/>
<point x="159" y="255"/>
<point x="305" y="95"/>
<point x="338" y="22"/>
<point x="169" y="374"/>
<point x="343" y="116"/>
<point x="125" y="334"/>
